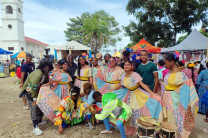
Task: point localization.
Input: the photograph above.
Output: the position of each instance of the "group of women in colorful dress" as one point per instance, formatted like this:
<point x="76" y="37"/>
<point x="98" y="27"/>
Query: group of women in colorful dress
<point x="165" y="94"/>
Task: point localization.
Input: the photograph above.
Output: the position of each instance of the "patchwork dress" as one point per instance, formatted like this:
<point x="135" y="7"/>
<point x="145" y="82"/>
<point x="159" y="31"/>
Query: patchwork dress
<point x="106" y="80"/>
<point x="145" y="106"/>
<point x="50" y="96"/>
<point x="180" y="102"/>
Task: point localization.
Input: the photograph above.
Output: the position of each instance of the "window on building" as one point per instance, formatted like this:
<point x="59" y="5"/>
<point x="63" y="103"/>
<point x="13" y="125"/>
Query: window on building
<point x="9" y="9"/>
<point x="10" y="48"/>
<point x="19" y="10"/>
<point x="10" y="26"/>
<point x="22" y="48"/>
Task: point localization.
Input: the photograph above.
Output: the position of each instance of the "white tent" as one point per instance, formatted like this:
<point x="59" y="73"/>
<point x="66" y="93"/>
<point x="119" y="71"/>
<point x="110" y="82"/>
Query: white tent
<point x="195" y="41"/>
<point x="73" y="45"/>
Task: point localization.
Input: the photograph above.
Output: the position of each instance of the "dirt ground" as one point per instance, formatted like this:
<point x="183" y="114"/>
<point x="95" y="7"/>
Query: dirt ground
<point x="15" y="122"/>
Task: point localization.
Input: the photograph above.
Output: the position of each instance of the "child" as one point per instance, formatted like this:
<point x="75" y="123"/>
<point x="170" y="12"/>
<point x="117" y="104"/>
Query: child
<point x="56" y="68"/>
<point x="114" y="109"/>
<point x="88" y="102"/>
<point x="68" y="112"/>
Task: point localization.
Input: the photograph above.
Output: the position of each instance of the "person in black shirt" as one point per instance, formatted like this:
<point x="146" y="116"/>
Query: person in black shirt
<point x="26" y="69"/>
<point x="72" y="67"/>
<point x="126" y="57"/>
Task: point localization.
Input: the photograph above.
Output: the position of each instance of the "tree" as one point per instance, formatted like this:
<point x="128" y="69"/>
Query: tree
<point x="95" y="30"/>
<point x="73" y="32"/>
<point x="130" y="45"/>
<point x="159" y="21"/>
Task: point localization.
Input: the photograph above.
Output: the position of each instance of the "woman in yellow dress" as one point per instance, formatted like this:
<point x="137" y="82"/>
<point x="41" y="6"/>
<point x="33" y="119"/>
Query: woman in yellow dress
<point x="145" y="104"/>
<point x="180" y="100"/>
<point x="83" y="74"/>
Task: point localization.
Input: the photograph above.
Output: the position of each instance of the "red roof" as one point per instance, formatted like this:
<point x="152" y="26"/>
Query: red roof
<point x="31" y="40"/>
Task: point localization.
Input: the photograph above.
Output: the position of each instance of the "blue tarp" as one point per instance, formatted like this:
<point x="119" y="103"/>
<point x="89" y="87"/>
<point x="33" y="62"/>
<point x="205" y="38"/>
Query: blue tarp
<point x="4" y="52"/>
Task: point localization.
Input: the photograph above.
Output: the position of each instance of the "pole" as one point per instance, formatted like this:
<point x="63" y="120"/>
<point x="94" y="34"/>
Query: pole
<point x="207" y="48"/>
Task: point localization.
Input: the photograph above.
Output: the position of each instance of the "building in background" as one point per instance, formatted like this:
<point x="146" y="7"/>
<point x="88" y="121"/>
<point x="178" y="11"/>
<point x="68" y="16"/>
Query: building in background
<point x="12" y="36"/>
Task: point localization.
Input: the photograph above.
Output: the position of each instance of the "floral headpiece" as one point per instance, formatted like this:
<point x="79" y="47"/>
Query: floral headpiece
<point x="176" y="54"/>
<point x="191" y="65"/>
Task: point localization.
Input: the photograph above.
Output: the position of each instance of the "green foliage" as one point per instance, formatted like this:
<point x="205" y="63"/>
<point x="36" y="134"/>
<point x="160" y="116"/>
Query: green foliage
<point x="130" y="45"/>
<point x="159" y="21"/>
<point x="181" y="38"/>
<point x="96" y="29"/>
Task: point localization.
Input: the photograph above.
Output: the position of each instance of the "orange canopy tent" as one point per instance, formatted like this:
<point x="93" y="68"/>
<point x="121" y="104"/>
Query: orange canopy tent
<point x="144" y="45"/>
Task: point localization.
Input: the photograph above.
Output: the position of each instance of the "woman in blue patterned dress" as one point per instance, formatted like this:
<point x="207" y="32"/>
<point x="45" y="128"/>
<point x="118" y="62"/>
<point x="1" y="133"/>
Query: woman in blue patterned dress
<point x="202" y="81"/>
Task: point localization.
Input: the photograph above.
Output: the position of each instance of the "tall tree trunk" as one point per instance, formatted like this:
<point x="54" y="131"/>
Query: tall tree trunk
<point x="175" y="35"/>
<point x="96" y="45"/>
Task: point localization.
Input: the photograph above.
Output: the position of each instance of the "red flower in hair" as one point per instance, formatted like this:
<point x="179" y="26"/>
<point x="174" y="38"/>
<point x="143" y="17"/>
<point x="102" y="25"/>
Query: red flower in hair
<point x="183" y="61"/>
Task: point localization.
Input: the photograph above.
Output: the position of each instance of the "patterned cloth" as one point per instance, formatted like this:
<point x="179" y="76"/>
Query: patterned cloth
<point x="180" y="102"/>
<point x="61" y="87"/>
<point x="142" y="103"/>
<point x="202" y="81"/>
<point x="48" y="101"/>
<point x="94" y="76"/>
<point x="108" y="80"/>
<point x="83" y="78"/>
<point x="49" y="98"/>
<point x="65" y="111"/>
<point x="188" y="73"/>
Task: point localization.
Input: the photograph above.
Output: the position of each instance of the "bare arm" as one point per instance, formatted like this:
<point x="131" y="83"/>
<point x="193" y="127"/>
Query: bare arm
<point x="22" y="79"/>
<point x="91" y="80"/>
<point x="145" y="87"/>
<point x="156" y="82"/>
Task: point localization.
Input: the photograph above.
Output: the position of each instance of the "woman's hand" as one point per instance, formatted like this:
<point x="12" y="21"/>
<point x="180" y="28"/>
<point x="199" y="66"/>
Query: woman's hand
<point x="34" y="103"/>
<point x="94" y="112"/>
<point x="45" y="84"/>
<point x="82" y="95"/>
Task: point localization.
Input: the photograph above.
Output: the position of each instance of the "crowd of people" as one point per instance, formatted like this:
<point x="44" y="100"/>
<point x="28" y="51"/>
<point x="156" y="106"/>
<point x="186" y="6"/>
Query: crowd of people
<point x="119" y="94"/>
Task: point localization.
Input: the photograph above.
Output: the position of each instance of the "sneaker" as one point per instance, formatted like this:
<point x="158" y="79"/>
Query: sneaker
<point x="91" y="127"/>
<point x="106" y="132"/>
<point x="43" y="122"/>
<point x="26" y="107"/>
<point x="37" y="131"/>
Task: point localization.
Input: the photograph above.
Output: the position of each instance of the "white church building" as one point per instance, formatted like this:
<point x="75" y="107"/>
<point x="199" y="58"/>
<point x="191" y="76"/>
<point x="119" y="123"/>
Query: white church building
<point x="12" y="36"/>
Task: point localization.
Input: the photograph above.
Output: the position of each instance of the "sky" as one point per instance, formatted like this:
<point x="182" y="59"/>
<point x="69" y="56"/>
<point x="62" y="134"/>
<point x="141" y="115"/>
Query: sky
<point x="45" y="20"/>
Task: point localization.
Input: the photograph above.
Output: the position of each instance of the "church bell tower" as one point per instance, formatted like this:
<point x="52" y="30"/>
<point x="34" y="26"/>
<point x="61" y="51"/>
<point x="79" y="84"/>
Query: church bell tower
<point x="13" y="25"/>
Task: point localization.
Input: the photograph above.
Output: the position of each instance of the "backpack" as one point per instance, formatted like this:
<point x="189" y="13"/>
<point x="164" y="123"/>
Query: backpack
<point x="18" y="72"/>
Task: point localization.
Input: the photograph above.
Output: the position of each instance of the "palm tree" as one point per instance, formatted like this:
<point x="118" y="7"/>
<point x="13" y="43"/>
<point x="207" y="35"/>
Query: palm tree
<point x="96" y="29"/>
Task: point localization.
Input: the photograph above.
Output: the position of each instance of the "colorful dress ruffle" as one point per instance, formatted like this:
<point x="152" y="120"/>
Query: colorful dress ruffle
<point x="61" y="86"/>
<point x="144" y="106"/>
<point x="202" y="81"/>
<point x="48" y="101"/>
<point x="106" y="80"/>
<point x="180" y="103"/>
<point x="94" y="76"/>
<point x="66" y="110"/>
<point x="49" y="97"/>
<point x="83" y="78"/>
